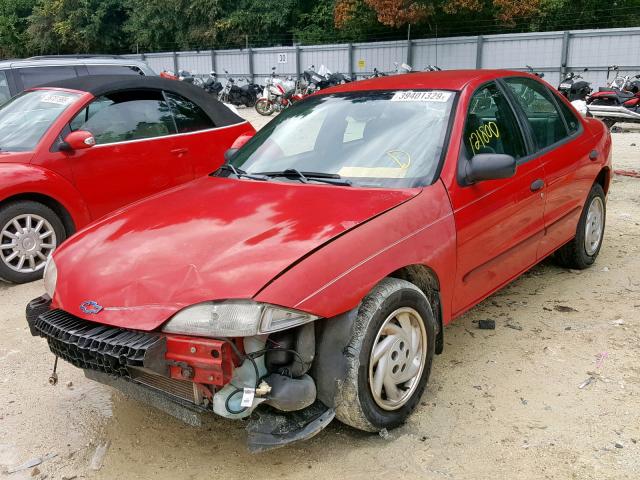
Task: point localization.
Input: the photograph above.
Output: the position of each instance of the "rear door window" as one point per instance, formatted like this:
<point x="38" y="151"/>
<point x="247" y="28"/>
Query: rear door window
<point x="34" y="76"/>
<point x="126" y="116"/>
<point x="5" y="93"/>
<point x="114" y="70"/>
<point x="540" y="109"/>
<point x="491" y="126"/>
<point x="189" y="116"/>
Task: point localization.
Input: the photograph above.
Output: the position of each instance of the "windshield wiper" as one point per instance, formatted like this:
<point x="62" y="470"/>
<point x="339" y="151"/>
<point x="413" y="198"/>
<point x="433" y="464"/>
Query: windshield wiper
<point x="238" y="172"/>
<point x="305" y="176"/>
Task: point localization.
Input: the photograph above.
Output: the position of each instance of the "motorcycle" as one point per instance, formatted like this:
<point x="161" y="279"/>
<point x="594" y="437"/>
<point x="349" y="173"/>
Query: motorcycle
<point x="619" y="101"/>
<point x="235" y="95"/>
<point x="576" y="90"/>
<point x="212" y="85"/>
<point x="277" y="95"/>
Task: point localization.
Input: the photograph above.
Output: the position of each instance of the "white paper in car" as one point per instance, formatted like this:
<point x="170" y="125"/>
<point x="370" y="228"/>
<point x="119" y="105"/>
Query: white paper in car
<point x="373" y="172"/>
<point x="421" y="96"/>
<point x="54" y="98"/>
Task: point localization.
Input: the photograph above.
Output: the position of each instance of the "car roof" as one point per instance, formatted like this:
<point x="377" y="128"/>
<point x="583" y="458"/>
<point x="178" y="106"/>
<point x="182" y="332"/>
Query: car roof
<point x="444" y="80"/>
<point x="60" y="60"/>
<point x="99" y="85"/>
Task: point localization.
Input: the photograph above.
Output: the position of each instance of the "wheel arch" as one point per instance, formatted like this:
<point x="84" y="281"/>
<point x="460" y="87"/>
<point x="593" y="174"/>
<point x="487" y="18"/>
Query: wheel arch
<point x="604" y="179"/>
<point x="52" y="203"/>
<point x="428" y="282"/>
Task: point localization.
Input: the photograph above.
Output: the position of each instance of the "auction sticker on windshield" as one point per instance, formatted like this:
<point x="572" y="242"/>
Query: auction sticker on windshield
<point x="413" y="96"/>
<point x="56" y="98"/>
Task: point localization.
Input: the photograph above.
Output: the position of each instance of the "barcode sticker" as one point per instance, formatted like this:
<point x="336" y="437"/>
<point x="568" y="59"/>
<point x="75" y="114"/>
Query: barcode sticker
<point x="428" y="96"/>
<point x="247" y="397"/>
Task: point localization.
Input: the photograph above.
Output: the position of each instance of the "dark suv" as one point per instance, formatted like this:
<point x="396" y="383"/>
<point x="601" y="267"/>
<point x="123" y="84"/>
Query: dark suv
<point x="18" y="75"/>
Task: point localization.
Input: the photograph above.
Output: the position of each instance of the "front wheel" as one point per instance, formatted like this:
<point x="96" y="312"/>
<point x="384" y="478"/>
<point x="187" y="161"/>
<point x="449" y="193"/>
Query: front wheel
<point x="581" y="252"/>
<point x="29" y="232"/>
<point x="264" y="107"/>
<point x="389" y="357"/>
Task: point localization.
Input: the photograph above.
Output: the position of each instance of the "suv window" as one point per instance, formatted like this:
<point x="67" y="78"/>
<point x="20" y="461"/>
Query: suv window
<point x="491" y="126"/>
<point x="126" y="116"/>
<point x="546" y="122"/>
<point x="33" y="76"/>
<point x="5" y="94"/>
<point x="114" y="70"/>
<point x="189" y="116"/>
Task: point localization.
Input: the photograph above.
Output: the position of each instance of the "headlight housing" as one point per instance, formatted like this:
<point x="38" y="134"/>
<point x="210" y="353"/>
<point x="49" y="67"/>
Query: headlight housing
<point x="234" y="318"/>
<point x="50" y="277"/>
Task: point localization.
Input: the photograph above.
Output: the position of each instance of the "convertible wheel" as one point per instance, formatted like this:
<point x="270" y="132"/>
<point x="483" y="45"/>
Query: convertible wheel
<point x="582" y="251"/>
<point x="264" y="107"/>
<point x="390" y="354"/>
<point x="29" y="233"/>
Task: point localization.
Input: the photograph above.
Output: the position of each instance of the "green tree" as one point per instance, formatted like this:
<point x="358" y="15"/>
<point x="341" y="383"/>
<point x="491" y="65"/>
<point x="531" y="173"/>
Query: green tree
<point x="13" y="27"/>
<point x="77" y="26"/>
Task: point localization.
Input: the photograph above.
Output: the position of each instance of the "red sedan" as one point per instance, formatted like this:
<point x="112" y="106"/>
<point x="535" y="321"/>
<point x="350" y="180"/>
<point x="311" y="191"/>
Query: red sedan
<point x="77" y="149"/>
<point x="314" y="272"/>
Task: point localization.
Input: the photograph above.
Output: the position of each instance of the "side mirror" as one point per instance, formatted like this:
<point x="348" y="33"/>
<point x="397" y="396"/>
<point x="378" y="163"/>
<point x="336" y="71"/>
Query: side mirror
<point x="490" y="166"/>
<point x="78" y="140"/>
<point x="228" y="155"/>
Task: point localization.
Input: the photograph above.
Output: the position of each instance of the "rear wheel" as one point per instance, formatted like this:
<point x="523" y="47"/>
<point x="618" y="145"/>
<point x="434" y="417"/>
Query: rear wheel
<point x="390" y="354"/>
<point x="264" y="107"/>
<point x="29" y="233"/>
<point x="581" y="252"/>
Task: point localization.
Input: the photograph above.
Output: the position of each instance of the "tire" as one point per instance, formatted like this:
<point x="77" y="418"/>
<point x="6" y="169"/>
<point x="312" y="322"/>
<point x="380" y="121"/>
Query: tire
<point x="609" y="122"/>
<point x="264" y="107"/>
<point x="581" y="252"/>
<point x="41" y="231"/>
<point x="356" y="403"/>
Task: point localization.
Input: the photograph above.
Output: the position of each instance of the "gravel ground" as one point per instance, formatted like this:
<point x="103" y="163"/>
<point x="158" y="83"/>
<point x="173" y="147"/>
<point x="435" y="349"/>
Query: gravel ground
<point x="553" y="392"/>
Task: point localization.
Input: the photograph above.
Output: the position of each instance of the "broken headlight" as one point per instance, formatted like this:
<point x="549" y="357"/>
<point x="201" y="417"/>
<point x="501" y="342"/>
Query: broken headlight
<point x="234" y="318"/>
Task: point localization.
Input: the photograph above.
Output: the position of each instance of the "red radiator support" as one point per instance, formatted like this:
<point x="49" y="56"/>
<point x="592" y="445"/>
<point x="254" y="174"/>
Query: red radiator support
<point x="201" y="360"/>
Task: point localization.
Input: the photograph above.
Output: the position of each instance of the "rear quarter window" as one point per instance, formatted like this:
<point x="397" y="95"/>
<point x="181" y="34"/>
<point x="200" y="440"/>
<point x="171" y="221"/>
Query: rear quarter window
<point x="114" y="70"/>
<point x="34" y="76"/>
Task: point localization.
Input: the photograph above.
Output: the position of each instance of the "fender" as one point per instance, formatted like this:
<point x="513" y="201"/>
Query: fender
<point x="336" y="278"/>
<point x="20" y="179"/>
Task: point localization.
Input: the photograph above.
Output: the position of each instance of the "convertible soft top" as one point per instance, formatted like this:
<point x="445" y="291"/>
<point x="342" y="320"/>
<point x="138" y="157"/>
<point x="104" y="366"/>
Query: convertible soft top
<point x="99" y="85"/>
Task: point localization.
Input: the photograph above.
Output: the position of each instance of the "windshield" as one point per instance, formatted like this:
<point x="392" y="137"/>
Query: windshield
<point x="373" y="139"/>
<point x="26" y="117"/>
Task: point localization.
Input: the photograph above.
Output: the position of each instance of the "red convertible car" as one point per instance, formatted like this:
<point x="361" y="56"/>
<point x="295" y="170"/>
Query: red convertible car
<point x="76" y="149"/>
<point x="312" y="274"/>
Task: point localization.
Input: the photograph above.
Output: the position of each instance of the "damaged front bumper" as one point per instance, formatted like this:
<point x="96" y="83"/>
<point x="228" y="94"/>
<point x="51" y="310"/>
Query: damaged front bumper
<point x="189" y="376"/>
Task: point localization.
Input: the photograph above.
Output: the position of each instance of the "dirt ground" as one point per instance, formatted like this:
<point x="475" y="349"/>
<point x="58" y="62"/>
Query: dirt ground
<point x="553" y="392"/>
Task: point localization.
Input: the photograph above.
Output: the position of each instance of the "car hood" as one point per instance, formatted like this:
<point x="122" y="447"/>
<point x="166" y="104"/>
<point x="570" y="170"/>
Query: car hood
<point x="214" y="238"/>
<point x="17" y="157"/>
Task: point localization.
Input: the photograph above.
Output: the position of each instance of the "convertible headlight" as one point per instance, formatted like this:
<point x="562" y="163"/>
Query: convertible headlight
<point x="234" y="318"/>
<point x="50" y="277"/>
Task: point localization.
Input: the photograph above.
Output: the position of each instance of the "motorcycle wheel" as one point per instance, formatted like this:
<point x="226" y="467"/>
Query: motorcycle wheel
<point x="264" y="107"/>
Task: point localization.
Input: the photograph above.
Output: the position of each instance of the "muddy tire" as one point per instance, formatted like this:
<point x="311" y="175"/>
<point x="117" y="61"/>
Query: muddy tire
<point x="389" y="357"/>
<point x="581" y="252"/>
<point x="29" y="232"/>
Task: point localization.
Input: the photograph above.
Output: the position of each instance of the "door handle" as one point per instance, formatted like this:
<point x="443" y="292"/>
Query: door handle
<point x="593" y="155"/>
<point x="537" y="185"/>
<point x="179" y="151"/>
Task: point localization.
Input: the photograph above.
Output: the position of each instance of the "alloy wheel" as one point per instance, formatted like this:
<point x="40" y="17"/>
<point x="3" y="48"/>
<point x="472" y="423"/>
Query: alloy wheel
<point x="26" y="241"/>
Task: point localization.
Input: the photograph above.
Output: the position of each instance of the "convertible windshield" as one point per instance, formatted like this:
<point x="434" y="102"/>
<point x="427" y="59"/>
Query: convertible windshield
<point x="26" y="117"/>
<point x="374" y="139"/>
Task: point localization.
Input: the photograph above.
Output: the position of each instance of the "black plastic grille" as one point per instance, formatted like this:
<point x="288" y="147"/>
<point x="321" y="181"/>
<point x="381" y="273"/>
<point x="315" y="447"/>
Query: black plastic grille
<point x="99" y="347"/>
